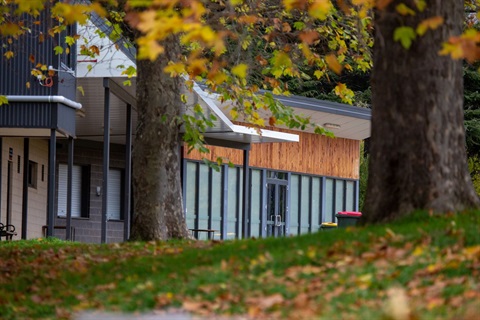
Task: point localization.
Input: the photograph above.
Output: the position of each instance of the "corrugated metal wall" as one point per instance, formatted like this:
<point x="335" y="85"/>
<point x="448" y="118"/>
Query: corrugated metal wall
<point x="29" y="50"/>
<point x="38" y="115"/>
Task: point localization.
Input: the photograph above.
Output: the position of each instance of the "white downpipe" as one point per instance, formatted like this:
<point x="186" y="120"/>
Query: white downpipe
<point x="49" y="99"/>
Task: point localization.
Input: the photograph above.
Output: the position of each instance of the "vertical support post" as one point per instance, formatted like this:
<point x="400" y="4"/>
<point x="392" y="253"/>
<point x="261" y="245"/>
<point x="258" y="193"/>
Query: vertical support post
<point x="1" y="172"/>
<point x="197" y="199"/>
<point x="52" y="153"/>
<point x="183" y="172"/>
<point x="300" y="205"/>
<point x="68" y="231"/>
<point x="128" y="175"/>
<point x="210" y="200"/>
<point x="26" y="160"/>
<point x="310" y="205"/>
<point x="245" y="194"/>
<point x="106" y="158"/>
<point x="334" y="200"/>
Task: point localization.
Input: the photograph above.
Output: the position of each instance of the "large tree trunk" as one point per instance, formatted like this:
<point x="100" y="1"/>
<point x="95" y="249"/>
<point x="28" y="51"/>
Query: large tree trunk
<point x="418" y="158"/>
<point x="158" y="212"/>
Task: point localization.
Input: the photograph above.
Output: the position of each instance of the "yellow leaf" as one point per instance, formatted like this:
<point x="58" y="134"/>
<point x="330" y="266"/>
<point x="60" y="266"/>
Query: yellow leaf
<point x="197" y="67"/>
<point x="430" y="23"/>
<point x="472" y="251"/>
<point x="454" y="50"/>
<point x="418" y="251"/>
<point x="149" y="48"/>
<point x="318" y="74"/>
<point x="320" y="9"/>
<point x="240" y="70"/>
<point x="9" y="54"/>
<point x="27" y="85"/>
<point x="175" y="69"/>
<point x="333" y="63"/>
<point x="233" y="114"/>
<point x="344" y="93"/>
<point x="404" y="10"/>
<point x="236" y="2"/>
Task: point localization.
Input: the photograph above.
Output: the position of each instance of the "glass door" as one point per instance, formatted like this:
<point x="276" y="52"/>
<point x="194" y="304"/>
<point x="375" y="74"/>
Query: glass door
<point x="276" y="207"/>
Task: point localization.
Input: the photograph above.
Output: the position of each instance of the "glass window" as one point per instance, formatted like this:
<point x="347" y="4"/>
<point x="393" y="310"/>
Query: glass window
<point x="350" y="197"/>
<point x="203" y="188"/>
<point x="315" y="198"/>
<point x="305" y="205"/>
<point x="233" y="204"/>
<point x="256" y="203"/>
<point x="190" y="195"/>
<point x="76" y="190"/>
<point x="277" y="175"/>
<point x="32" y="174"/>
<point x="114" y="197"/>
<point x="339" y="189"/>
<point x="328" y="215"/>
<point x="217" y="202"/>
<point x="294" y="201"/>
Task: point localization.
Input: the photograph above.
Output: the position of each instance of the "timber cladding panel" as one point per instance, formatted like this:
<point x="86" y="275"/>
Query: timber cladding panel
<point x="314" y="154"/>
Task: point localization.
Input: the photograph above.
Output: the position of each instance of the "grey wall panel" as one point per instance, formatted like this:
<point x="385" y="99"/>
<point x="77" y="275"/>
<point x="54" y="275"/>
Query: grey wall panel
<point x="26" y="115"/>
<point x="66" y="119"/>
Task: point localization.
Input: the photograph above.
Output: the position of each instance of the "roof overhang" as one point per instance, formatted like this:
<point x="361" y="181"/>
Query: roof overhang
<point x="345" y="121"/>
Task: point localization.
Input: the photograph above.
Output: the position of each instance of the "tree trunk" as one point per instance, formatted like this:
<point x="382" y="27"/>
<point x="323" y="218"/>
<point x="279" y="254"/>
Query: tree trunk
<point x="418" y="158"/>
<point x="157" y="191"/>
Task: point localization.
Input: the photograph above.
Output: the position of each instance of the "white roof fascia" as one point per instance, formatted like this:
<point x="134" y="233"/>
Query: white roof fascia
<point x="280" y="136"/>
<point x="270" y="134"/>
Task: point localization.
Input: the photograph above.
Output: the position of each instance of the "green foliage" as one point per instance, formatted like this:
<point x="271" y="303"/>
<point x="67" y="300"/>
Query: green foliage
<point x="472" y="109"/>
<point x="405" y="35"/>
<point x="363" y="177"/>
<point x="3" y="100"/>
<point x="474" y="169"/>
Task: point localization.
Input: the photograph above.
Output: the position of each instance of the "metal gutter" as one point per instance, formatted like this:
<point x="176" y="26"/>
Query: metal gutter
<point x="49" y="99"/>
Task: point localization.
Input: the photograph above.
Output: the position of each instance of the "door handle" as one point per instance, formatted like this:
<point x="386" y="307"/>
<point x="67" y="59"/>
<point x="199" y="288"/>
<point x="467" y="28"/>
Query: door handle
<point x="278" y="220"/>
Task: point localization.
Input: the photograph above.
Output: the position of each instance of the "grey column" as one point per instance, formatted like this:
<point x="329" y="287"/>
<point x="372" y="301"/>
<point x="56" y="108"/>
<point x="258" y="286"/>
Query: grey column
<point x="1" y="172"/>
<point x="128" y="175"/>
<point x="106" y="158"/>
<point x="26" y="159"/>
<point x="246" y="192"/>
<point x="52" y="153"/>
<point x="68" y="234"/>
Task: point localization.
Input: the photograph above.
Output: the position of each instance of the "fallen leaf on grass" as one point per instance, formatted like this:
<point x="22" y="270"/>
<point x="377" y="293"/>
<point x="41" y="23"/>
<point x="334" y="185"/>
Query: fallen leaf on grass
<point x="266" y="302"/>
<point x="397" y="307"/>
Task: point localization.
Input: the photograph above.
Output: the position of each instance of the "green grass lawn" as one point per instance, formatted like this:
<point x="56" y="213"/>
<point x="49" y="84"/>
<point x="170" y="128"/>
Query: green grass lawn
<point x="423" y="267"/>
